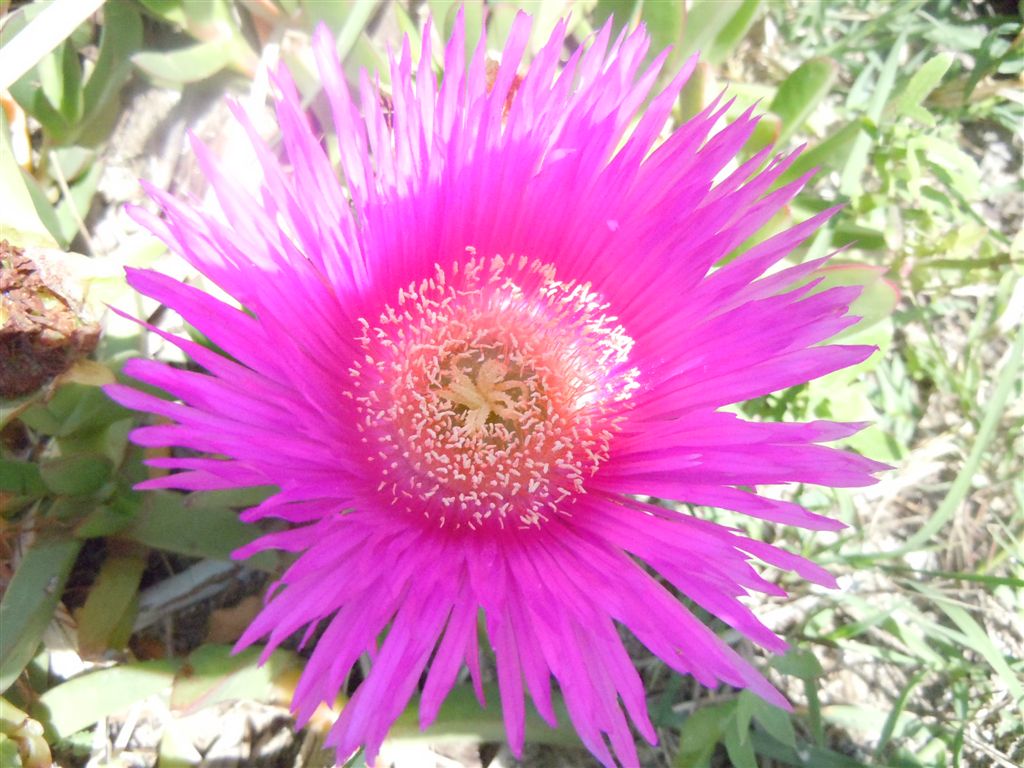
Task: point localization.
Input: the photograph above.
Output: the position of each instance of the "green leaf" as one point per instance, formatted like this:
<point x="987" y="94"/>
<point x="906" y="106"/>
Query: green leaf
<point x="216" y="21"/>
<point x="20" y="221"/>
<point x="877" y="299"/>
<point x="213" y="674"/>
<point x="44" y="209"/>
<point x="745" y="705"/>
<point x="106" y="519"/>
<point x="732" y="32"/>
<point x="42" y="93"/>
<point x="76" y="475"/>
<point x="76" y="409"/>
<point x="766" y="131"/>
<point x="9" y="757"/>
<point x="801" y="92"/>
<point x="991" y="582"/>
<point x="21" y="478"/>
<point x="121" y="37"/>
<point x="910" y="100"/>
<point x="701" y="731"/>
<point x="71" y="80"/>
<point x="38" y="418"/>
<point x="808" y="755"/>
<point x="775" y="722"/>
<point x="49" y="75"/>
<point x="665" y="23"/>
<point x="332" y="15"/>
<point x="177" y="746"/>
<point x="29" y="602"/>
<point x="894" y="715"/>
<point x="235" y="498"/>
<point x="58" y="81"/>
<point x="1006" y="380"/>
<point x="91" y="410"/>
<point x="696" y="93"/>
<point x="166" y="521"/>
<point x="114" y="443"/>
<point x="622" y="10"/>
<point x="111" y="596"/>
<point x="950" y="163"/>
<point x="345" y="20"/>
<point x="857" y="160"/>
<point x="84" y="700"/>
<point x="185" y="65"/>
<point x="860" y="718"/>
<point x="705" y="21"/>
<point x="980" y="642"/>
<point x="801" y="664"/>
<point x="461" y="718"/>
<point x="864" y="238"/>
<point x="172" y="11"/>
<point x="740" y="750"/>
<point x="829" y="154"/>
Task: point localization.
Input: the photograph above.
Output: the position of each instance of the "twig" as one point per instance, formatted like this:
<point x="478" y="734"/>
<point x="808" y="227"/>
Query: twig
<point x="65" y="190"/>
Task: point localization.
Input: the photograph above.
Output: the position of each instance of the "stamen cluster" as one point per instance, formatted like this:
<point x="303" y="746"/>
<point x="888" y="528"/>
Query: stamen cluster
<point x="489" y="395"/>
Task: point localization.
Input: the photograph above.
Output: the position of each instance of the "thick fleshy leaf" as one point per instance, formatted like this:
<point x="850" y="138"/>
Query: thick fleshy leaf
<point x="29" y="602"/>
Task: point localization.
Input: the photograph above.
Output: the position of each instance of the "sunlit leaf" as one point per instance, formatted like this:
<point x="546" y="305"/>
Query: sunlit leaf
<point x="461" y="717"/>
<point x="828" y="154"/>
<point x="29" y="602"/>
<point x="19" y="219"/>
<point x="801" y="92"/>
<point x="705" y="21"/>
<point x="665" y="22"/>
<point x="878" y="296"/>
<point x="184" y="65"/>
<point x="110" y="597"/>
<point x="84" y="700"/>
<point x="213" y="674"/>
<point x="910" y="100"/>
<point x="121" y="37"/>
<point x="732" y="31"/>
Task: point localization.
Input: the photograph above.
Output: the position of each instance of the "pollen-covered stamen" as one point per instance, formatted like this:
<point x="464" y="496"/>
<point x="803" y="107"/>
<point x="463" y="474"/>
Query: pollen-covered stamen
<point x="491" y="393"/>
<point x="488" y="396"/>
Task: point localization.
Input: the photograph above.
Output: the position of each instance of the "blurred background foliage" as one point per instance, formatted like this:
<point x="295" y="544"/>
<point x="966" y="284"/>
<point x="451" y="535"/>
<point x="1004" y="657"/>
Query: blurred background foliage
<point x="118" y="608"/>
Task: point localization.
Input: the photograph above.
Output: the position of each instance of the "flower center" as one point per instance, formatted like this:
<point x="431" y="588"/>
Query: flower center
<point x="491" y="393"/>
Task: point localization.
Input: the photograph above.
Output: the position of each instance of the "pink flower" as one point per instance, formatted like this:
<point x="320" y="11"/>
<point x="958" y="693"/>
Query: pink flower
<point x="463" y="363"/>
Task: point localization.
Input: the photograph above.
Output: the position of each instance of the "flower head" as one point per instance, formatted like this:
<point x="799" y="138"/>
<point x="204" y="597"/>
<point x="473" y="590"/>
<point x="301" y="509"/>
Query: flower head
<point x="463" y="361"/>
